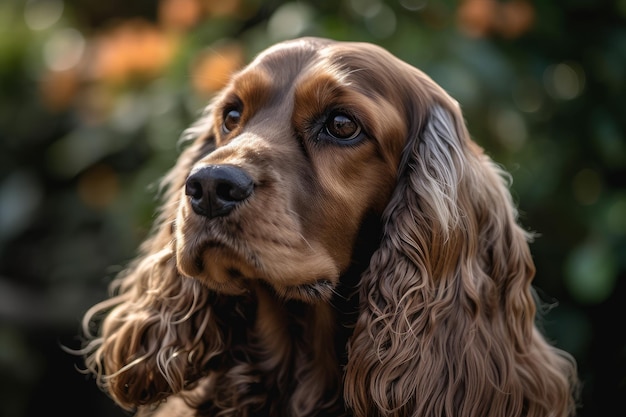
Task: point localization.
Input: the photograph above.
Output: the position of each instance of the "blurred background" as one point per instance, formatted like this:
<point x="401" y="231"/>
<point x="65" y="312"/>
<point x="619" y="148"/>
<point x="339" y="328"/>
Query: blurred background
<point x="95" y="94"/>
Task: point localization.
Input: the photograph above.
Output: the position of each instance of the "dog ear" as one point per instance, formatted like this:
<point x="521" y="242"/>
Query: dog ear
<point x="446" y="322"/>
<point x="159" y="329"/>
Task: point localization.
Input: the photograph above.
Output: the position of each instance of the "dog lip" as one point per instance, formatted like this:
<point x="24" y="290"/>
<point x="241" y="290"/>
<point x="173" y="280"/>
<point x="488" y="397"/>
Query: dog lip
<point x="229" y="252"/>
<point x="195" y="259"/>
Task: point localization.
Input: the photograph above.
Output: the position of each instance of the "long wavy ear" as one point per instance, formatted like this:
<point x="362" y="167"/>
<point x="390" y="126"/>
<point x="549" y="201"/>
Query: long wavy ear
<point x="446" y="324"/>
<point x="159" y="329"/>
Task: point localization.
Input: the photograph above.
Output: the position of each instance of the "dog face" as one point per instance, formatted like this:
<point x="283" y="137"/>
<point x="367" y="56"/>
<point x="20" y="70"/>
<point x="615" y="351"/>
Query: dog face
<point x="255" y="296"/>
<point x="306" y="143"/>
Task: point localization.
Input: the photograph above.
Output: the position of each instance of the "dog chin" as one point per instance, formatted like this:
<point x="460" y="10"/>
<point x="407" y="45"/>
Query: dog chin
<point x="220" y="269"/>
<point x="226" y="273"/>
<point x="235" y="272"/>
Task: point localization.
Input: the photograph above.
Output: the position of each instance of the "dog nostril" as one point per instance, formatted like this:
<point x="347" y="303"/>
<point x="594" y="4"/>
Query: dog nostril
<point x="223" y="191"/>
<point x="193" y="189"/>
<point x="215" y="190"/>
<point x="229" y="191"/>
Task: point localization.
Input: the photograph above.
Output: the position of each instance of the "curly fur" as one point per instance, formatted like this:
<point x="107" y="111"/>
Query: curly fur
<point x="384" y="277"/>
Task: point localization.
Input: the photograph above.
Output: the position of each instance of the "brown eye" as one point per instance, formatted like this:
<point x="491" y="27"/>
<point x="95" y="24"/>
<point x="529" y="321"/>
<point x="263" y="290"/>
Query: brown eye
<point x="232" y="118"/>
<point x="341" y="127"/>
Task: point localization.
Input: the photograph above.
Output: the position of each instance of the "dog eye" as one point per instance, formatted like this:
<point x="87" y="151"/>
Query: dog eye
<point x="231" y="120"/>
<point x="341" y="127"/>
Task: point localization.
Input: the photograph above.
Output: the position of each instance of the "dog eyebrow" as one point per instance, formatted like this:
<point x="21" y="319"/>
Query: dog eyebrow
<point x="253" y="88"/>
<point x="321" y="91"/>
<point x="318" y="92"/>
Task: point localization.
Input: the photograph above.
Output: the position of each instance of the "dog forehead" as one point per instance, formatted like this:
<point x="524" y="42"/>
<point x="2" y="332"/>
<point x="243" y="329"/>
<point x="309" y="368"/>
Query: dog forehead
<point x="294" y="56"/>
<point x="300" y="47"/>
<point x="287" y="59"/>
<point x="287" y="64"/>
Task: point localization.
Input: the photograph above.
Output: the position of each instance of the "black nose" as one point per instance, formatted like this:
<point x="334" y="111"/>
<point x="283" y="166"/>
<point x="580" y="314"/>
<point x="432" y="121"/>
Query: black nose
<point x="216" y="189"/>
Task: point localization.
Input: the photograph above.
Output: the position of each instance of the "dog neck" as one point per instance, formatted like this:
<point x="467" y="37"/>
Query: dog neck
<point x="298" y="341"/>
<point x="295" y="341"/>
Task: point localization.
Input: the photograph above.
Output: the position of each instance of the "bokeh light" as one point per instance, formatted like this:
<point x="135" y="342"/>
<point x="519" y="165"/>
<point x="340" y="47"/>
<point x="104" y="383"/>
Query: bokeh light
<point x="42" y="14"/>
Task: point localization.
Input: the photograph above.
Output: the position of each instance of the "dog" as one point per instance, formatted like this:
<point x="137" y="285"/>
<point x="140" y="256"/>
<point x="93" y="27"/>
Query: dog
<point x="330" y="242"/>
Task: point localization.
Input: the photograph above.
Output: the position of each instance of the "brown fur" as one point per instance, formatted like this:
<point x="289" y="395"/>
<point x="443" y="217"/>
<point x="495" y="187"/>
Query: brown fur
<point x="387" y="277"/>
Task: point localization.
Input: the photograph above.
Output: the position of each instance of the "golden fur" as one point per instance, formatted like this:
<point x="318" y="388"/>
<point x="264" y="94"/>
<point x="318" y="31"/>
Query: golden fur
<point x="378" y="270"/>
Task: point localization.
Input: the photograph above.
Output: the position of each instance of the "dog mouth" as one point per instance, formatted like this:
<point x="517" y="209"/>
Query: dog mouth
<point x="217" y="264"/>
<point x="234" y="271"/>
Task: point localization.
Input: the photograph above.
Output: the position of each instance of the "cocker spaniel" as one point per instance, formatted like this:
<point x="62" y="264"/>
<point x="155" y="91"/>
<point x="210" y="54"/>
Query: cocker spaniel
<point x="331" y="242"/>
